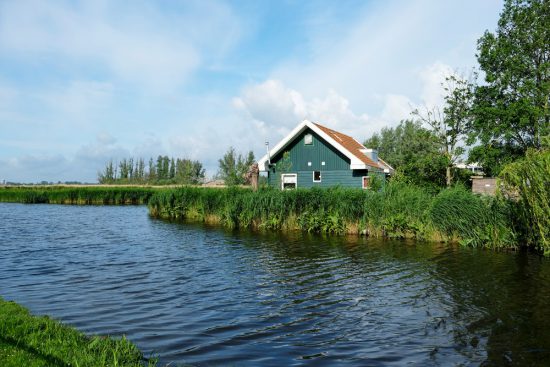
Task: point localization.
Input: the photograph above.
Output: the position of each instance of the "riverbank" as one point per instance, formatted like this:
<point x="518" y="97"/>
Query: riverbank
<point x="27" y="340"/>
<point x="81" y="195"/>
<point x="398" y="210"/>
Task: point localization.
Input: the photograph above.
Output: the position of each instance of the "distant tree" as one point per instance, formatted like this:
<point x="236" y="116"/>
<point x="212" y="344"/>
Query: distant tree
<point x="130" y="168"/>
<point x="159" y="168"/>
<point x="123" y="165"/>
<point x="183" y="171"/>
<point x="165" y="167"/>
<point x="152" y="174"/>
<point x="108" y="174"/>
<point x="140" y="169"/>
<point x="233" y="167"/>
<point x="172" y="174"/>
<point x="512" y="106"/>
<point x="189" y="172"/>
<point x="413" y="151"/>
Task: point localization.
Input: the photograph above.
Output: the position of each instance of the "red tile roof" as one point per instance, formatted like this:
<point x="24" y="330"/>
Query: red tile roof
<point x="349" y="143"/>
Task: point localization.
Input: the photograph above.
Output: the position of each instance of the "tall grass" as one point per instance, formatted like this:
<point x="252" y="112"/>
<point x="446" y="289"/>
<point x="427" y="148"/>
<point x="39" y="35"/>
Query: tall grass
<point x="399" y="210"/>
<point x="76" y="195"/>
<point x="527" y="180"/>
<point x="474" y="220"/>
<point x="27" y="340"/>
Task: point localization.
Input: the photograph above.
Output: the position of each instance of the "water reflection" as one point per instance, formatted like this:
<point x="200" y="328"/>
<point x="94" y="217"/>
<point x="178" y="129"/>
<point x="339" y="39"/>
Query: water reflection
<point x="206" y="296"/>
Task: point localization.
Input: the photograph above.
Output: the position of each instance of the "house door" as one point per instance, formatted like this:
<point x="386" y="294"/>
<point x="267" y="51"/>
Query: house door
<point x="289" y="181"/>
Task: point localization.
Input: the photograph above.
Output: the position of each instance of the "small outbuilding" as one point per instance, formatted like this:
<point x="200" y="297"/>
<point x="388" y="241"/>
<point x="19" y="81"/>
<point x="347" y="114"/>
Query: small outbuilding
<point x="313" y="155"/>
<point x="484" y="185"/>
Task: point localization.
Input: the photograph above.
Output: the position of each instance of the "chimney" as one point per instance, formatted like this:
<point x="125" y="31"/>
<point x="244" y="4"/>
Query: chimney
<point x="371" y="153"/>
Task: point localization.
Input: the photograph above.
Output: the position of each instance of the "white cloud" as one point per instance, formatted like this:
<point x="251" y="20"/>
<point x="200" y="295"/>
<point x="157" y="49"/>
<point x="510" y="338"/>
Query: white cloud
<point x="396" y="108"/>
<point x="136" y="43"/>
<point x="276" y="109"/>
<point x="431" y="78"/>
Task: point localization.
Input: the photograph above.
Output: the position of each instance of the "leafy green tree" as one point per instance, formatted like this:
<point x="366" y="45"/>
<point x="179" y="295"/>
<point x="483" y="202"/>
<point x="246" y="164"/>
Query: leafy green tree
<point x="172" y="169"/>
<point x="451" y="124"/>
<point x="152" y="174"/>
<point x="140" y="169"/>
<point x="413" y="151"/>
<point x="233" y="167"/>
<point x="123" y="165"/>
<point x="527" y="179"/>
<point x="512" y="106"/>
<point x="160" y="168"/>
<point x="189" y="172"/>
<point x="108" y="174"/>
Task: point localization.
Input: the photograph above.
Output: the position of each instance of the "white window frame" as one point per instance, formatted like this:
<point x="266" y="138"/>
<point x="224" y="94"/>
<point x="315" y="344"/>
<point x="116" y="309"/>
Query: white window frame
<point x="363" y="182"/>
<point x="295" y="175"/>
<point x="308" y="137"/>
<point x="320" y="176"/>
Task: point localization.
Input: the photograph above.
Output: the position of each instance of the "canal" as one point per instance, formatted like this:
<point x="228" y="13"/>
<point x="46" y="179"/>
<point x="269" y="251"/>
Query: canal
<point x="205" y="296"/>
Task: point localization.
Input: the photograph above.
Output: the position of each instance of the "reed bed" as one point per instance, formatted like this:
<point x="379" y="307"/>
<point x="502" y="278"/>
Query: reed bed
<point x="91" y="195"/>
<point x="399" y="210"/>
<point x="27" y="340"/>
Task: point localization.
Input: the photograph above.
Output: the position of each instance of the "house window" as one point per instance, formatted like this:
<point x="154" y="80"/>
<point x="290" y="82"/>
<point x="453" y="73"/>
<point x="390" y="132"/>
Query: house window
<point x="289" y="181"/>
<point x="366" y="182"/>
<point x="316" y="176"/>
<point x="308" y="139"/>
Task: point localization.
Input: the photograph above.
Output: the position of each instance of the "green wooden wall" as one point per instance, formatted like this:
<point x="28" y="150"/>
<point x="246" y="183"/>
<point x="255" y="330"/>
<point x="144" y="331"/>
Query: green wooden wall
<point x="334" y="172"/>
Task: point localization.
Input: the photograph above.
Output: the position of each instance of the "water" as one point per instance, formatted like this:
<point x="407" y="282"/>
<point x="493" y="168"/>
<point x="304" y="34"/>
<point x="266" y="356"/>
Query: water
<point x="204" y="296"/>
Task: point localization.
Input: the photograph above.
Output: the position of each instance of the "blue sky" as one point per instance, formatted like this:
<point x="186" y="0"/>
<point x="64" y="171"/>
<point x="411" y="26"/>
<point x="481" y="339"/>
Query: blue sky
<point x="83" y="82"/>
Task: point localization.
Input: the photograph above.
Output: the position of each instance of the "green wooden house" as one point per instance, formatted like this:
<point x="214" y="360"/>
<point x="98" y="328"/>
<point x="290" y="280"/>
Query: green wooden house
<point x="313" y="155"/>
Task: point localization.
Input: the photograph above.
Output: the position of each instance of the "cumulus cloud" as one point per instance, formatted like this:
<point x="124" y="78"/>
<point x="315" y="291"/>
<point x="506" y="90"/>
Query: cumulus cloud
<point x="397" y="107"/>
<point x="275" y="109"/>
<point x="431" y="78"/>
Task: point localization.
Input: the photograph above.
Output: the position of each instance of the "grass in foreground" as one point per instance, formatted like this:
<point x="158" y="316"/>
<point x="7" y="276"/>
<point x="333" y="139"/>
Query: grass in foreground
<point x="27" y="340"/>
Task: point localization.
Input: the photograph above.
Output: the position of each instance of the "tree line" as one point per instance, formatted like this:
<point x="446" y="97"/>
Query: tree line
<point x="496" y="121"/>
<point x="162" y="171"/>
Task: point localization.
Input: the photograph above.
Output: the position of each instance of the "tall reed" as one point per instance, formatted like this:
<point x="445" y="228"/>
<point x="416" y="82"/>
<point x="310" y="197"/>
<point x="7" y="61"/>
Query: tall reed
<point x="76" y="195"/>
<point x="398" y="210"/>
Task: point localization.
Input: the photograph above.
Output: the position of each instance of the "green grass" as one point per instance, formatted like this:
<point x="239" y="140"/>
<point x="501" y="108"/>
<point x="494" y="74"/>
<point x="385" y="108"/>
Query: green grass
<point x="108" y="195"/>
<point x="399" y="210"/>
<point x="27" y="340"/>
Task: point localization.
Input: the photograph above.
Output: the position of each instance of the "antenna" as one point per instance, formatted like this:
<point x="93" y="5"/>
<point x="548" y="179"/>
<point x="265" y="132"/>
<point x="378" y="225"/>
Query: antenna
<point x="267" y="148"/>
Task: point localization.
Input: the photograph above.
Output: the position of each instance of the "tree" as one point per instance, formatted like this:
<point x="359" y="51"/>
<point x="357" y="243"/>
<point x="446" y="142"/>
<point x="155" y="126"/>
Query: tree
<point x="152" y="174"/>
<point x="189" y="172"/>
<point x="172" y="168"/>
<point x="108" y="174"/>
<point x="413" y="151"/>
<point x="527" y="178"/>
<point x="512" y="107"/>
<point x="451" y="124"/>
<point x="233" y="168"/>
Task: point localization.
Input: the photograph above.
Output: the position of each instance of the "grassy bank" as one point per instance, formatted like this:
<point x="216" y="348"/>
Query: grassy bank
<point x="399" y="211"/>
<point x="27" y="340"/>
<point x="98" y="195"/>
